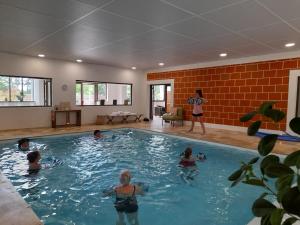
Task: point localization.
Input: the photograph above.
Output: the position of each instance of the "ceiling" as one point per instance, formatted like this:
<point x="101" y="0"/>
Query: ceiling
<point x="141" y="33"/>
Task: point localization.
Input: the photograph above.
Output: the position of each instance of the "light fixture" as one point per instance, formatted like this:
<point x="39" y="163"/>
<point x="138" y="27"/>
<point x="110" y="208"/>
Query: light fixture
<point x="161" y="64"/>
<point x="79" y="60"/>
<point x="223" y="54"/>
<point x="133" y="68"/>
<point x="41" y="55"/>
<point x="288" y="45"/>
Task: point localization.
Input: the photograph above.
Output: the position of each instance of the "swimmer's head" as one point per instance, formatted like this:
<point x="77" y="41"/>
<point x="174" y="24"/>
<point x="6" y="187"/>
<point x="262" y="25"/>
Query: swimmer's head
<point x="23" y="144"/>
<point x="97" y="133"/>
<point x="125" y="177"/>
<point x="33" y="157"/>
<point x="188" y="152"/>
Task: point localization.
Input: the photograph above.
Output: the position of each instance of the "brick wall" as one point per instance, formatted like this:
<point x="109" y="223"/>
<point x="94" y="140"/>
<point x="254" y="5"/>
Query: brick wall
<point x="233" y="90"/>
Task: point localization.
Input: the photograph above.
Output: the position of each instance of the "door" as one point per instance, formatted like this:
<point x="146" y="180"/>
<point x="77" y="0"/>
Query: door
<point x="159" y="99"/>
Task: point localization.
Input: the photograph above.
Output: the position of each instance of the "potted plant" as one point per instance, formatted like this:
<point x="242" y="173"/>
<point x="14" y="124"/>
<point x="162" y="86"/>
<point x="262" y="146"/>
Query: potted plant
<point x="284" y="199"/>
<point x="20" y="97"/>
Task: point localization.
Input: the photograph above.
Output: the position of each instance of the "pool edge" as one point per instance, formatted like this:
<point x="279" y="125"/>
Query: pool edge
<point x="13" y="208"/>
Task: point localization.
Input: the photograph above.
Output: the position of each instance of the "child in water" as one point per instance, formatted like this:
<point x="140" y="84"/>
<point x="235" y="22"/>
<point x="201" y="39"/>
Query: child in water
<point x="97" y="134"/>
<point x="126" y="202"/>
<point x="188" y="164"/>
<point x="34" y="161"/>
<point x="23" y="144"/>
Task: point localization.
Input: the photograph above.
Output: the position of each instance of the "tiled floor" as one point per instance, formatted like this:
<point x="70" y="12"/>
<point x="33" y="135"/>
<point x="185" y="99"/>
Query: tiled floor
<point x="234" y="138"/>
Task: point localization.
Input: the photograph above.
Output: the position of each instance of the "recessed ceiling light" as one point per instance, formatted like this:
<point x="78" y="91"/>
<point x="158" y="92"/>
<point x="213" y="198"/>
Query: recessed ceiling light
<point x="223" y="54"/>
<point x="133" y="68"/>
<point x="161" y="64"/>
<point x="41" y="55"/>
<point x="288" y="45"/>
<point x="79" y="60"/>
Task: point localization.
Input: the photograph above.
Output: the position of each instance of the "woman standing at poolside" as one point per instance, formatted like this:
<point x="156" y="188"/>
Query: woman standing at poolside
<point x="197" y="110"/>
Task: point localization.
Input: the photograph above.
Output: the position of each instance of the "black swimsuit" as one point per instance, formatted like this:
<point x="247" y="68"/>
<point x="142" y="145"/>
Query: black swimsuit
<point x="128" y="204"/>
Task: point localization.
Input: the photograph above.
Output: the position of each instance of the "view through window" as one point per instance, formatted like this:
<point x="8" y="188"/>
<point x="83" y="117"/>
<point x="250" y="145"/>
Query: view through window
<point x="25" y="91"/>
<point x="101" y="93"/>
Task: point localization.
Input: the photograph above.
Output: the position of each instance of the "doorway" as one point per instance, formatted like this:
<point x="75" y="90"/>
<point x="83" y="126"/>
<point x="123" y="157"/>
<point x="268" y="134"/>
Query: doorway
<point x="160" y="100"/>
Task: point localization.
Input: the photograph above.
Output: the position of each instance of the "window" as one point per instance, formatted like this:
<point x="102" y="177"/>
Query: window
<point x="25" y="91"/>
<point x="159" y="93"/>
<point x="100" y="93"/>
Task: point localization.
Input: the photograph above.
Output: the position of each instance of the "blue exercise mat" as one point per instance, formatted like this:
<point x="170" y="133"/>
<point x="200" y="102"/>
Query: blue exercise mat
<point x="280" y="137"/>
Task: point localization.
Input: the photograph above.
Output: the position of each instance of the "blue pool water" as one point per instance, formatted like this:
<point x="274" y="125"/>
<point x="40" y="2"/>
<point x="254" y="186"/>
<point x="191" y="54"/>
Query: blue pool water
<point x="70" y="193"/>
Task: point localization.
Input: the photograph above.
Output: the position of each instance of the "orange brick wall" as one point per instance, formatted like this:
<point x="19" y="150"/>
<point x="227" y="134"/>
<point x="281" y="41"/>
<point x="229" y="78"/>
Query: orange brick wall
<point x="233" y="90"/>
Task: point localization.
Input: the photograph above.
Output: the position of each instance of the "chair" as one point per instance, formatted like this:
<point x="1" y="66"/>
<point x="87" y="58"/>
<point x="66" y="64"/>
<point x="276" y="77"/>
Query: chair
<point x="175" y="115"/>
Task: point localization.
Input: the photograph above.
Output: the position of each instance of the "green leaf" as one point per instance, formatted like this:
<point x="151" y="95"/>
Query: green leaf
<point x="275" y="114"/>
<point x="276" y="216"/>
<point x="248" y="116"/>
<point x="262" y="207"/>
<point x="284" y="181"/>
<point x="282" y="192"/>
<point x="295" y="125"/>
<point x="238" y="180"/>
<point x="291" y="201"/>
<point x="265" y="220"/>
<point x="253" y="128"/>
<point x="267" y="144"/>
<point x="255" y="182"/>
<point x="235" y="175"/>
<point x="254" y="160"/>
<point x="291" y="159"/>
<point x="265" y="107"/>
<point x="290" y="221"/>
<point x="278" y="170"/>
<point x="298" y="182"/>
<point x="268" y="160"/>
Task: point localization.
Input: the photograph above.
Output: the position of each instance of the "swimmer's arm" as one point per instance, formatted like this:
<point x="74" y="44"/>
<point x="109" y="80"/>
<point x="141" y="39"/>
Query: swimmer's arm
<point x="139" y="190"/>
<point x="109" y="193"/>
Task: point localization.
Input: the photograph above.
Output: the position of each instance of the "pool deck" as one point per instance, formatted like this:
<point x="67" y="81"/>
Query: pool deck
<point x="235" y="138"/>
<point x="15" y="211"/>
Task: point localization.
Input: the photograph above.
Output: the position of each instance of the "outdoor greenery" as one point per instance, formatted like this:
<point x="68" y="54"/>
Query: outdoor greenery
<point x="283" y="199"/>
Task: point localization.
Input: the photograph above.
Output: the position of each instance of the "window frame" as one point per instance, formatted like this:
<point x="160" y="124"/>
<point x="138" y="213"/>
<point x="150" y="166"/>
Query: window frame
<point x="96" y="93"/>
<point x="29" y="77"/>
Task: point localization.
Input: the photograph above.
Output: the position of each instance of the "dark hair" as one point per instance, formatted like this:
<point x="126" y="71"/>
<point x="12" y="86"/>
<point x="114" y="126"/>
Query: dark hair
<point x="188" y="152"/>
<point x="22" y="141"/>
<point x="32" y="156"/>
<point x="96" y="132"/>
<point x="199" y="92"/>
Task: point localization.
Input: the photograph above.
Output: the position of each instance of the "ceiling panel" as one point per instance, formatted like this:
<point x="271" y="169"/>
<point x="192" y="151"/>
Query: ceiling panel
<point x="242" y="16"/>
<point x="17" y="17"/>
<point x="152" y="12"/>
<point x="287" y="9"/>
<point x="12" y="38"/>
<point x="275" y="35"/>
<point x="60" y="9"/>
<point x="155" y="40"/>
<point x="197" y="28"/>
<point x="202" y="6"/>
<point x="96" y="3"/>
<point x="73" y="41"/>
<point x="107" y="21"/>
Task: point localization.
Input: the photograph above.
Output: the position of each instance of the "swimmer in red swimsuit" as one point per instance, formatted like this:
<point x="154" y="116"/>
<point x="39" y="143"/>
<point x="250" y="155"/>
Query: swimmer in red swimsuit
<point x="188" y="164"/>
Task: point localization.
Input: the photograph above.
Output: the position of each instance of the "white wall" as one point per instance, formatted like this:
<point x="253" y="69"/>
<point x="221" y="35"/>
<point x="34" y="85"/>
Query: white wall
<point x="63" y="72"/>
<point x="292" y="98"/>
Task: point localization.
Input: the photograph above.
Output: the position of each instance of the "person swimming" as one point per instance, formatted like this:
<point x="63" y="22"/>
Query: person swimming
<point x="34" y="161"/>
<point x="188" y="160"/>
<point x="97" y="134"/>
<point x="23" y="144"/>
<point x="188" y="164"/>
<point x="126" y="202"/>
